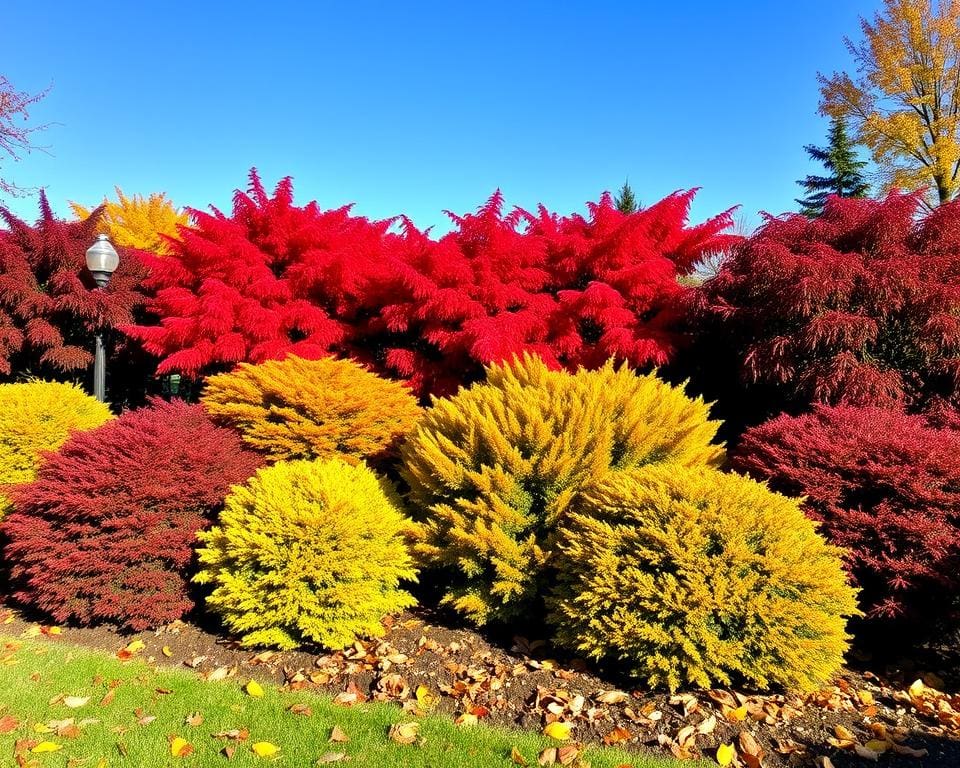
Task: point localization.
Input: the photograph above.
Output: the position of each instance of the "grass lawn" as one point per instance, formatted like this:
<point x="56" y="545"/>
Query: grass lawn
<point x="44" y="682"/>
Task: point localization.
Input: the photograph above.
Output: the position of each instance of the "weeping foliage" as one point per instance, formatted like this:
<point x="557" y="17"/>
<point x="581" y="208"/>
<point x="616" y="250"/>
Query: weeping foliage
<point x="302" y="409"/>
<point x="39" y="416"/>
<point x="49" y="311"/>
<point x="494" y="468"/>
<point x="689" y="576"/>
<point x="308" y="551"/>
<point x="144" y="223"/>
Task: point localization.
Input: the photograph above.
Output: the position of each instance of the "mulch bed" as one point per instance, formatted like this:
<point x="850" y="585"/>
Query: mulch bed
<point x="422" y="665"/>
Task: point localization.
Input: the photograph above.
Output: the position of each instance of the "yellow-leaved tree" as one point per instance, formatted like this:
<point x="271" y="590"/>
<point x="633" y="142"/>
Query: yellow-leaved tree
<point x="138" y="221"/>
<point x="904" y="102"/>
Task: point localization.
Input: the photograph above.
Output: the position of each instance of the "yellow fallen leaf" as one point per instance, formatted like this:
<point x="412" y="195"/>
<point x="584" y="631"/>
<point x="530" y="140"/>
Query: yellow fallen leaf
<point x="42" y="728"/>
<point x="55" y="631"/>
<point x="253" y="688"/>
<point x="425" y="697"/>
<point x="46" y="746"/>
<point x="916" y="688"/>
<point x="180" y="747"/>
<point x="516" y="757"/>
<point x="404" y="733"/>
<point x="866" y="698"/>
<point x="467" y="718"/>
<point x="166" y="651"/>
<point x="559" y="731"/>
<point x="135" y="647"/>
<point x="264" y="749"/>
<point x="737" y="715"/>
<point x="877" y="745"/>
<point x="725" y="754"/>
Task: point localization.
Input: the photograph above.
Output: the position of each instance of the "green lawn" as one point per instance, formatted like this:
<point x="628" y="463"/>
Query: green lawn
<point x="149" y="707"/>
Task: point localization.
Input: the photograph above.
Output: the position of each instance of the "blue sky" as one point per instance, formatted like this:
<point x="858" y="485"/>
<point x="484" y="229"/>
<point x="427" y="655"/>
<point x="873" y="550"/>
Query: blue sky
<point x="416" y="107"/>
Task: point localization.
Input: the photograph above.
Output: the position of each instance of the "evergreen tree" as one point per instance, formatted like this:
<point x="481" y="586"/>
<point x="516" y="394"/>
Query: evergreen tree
<point x="625" y="201"/>
<point x="845" y="169"/>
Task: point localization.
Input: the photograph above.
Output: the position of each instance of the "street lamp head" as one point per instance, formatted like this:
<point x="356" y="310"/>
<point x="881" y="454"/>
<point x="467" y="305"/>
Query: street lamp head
<point x="102" y="260"/>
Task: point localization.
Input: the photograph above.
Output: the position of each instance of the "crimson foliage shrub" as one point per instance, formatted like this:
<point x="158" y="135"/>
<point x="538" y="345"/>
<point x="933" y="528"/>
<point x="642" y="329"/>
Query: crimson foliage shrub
<point x="274" y="279"/>
<point x="48" y="310"/>
<point x="858" y="306"/>
<point x="106" y="531"/>
<point x="885" y="485"/>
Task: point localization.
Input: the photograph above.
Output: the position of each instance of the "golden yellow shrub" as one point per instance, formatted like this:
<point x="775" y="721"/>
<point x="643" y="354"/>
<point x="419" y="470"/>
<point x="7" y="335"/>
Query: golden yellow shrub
<point x="38" y="416"/>
<point x="308" y="551"/>
<point x="300" y="409"/>
<point x="493" y="468"/>
<point x="139" y="222"/>
<point x="689" y="576"/>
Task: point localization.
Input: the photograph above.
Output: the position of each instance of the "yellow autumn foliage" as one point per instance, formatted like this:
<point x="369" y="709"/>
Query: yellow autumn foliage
<point x="493" y="468"/>
<point x="308" y="551"/>
<point x="303" y="409"/>
<point x="38" y="416"/>
<point x="687" y="576"/>
<point x="138" y="221"/>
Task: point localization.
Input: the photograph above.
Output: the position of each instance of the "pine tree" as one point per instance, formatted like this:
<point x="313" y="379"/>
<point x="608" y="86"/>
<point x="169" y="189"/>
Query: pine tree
<point x="845" y="169"/>
<point x="625" y="201"/>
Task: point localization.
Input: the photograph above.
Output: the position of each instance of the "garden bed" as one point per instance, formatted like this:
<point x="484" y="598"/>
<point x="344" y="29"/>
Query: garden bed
<point x="423" y="666"/>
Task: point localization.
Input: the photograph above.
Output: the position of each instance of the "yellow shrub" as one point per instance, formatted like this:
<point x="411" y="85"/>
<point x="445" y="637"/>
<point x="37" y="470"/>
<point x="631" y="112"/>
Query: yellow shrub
<point x="39" y="416"/>
<point x="493" y="468"/>
<point x="139" y="222"/>
<point x="302" y="409"/>
<point x="308" y="551"/>
<point x="688" y="576"/>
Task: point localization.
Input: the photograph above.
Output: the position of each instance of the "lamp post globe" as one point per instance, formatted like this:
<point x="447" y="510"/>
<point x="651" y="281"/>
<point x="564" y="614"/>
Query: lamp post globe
<point x="102" y="261"/>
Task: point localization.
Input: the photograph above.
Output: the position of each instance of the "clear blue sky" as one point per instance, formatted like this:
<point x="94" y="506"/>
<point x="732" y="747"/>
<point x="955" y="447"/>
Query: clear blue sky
<point x="416" y="107"/>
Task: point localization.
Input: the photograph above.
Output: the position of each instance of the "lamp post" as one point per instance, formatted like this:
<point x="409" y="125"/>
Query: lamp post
<point x="102" y="261"/>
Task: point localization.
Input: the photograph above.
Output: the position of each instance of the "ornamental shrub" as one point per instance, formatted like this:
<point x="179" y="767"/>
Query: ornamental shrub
<point x="304" y="409"/>
<point x="105" y="532"/>
<point x="39" y="416"/>
<point x="884" y="485"/>
<point x="144" y="223"/>
<point x="689" y="576"/>
<point x="308" y="551"/>
<point x="49" y="312"/>
<point x="493" y="469"/>
<point x="858" y="306"/>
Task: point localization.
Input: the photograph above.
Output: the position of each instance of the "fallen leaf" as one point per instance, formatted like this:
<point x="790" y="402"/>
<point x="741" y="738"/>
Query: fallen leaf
<point x="866" y="698"/>
<point x="220" y="673"/>
<point x="708" y="725"/>
<point x="865" y="753"/>
<point x="737" y="714"/>
<point x="253" y="688"/>
<point x="903" y="749"/>
<point x="264" y="749"/>
<point x="8" y="723"/>
<point x="466" y="718"/>
<point x="331" y="757"/>
<point x="194" y="719"/>
<point x="108" y="698"/>
<point x="558" y="730"/>
<point x="548" y="756"/>
<point x="301" y="709"/>
<point x="612" y="697"/>
<point x="404" y="733"/>
<point x="617" y="736"/>
<point x="75" y="702"/>
<point x="516" y="757"/>
<point x="824" y="762"/>
<point x="46" y="746"/>
<point x="338" y="736"/>
<point x="166" y="651"/>
<point x="725" y="754"/>
<point x="425" y="697"/>
<point x="180" y="747"/>
<point x="568" y="754"/>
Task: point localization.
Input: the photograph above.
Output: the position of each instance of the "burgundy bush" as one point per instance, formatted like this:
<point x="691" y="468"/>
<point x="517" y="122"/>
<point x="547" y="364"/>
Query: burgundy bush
<point x="106" y="531"/>
<point x="885" y="485"/>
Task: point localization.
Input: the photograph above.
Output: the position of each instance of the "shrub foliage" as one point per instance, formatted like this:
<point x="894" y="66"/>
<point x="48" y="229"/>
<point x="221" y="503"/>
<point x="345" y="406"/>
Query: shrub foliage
<point x="884" y="485"/>
<point x="494" y="468"/>
<point x="144" y="223"/>
<point x="859" y="306"/>
<point x="308" y="551"/>
<point x="304" y="409"/>
<point x="39" y="416"/>
<point x="689" y="576"/>
<point x="105" y="532"/>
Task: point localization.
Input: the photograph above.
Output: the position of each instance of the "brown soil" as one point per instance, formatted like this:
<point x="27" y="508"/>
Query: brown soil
<point x="465" y="674"/>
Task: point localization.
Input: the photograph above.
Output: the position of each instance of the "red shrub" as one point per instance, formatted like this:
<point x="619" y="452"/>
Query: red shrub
<point x="106" y="531"/>
<point x="275" y="278"/>
<point x="48" y="312"/>
<point x="859" y="306"/>
<point x="885" y="485"/>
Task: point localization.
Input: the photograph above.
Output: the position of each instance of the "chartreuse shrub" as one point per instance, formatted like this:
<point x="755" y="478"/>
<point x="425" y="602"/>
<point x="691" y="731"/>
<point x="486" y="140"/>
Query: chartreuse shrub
<point x="38" y="416"/>
<point x="105" y="532"/>
<point x="305" y="409"/>
<point x="308" y="551"/>
<point x="495" y="467"/>
<point x="689" y="576"/>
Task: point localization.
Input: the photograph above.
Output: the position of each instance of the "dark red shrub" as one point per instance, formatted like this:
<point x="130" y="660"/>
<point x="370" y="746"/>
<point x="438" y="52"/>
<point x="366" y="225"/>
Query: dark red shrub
<point x="885" y="485"/>
<point x="106" y="531"/>
<point x="274" y="278"/>
<point x="858" y="306"/>
<point x="48" y="310"/>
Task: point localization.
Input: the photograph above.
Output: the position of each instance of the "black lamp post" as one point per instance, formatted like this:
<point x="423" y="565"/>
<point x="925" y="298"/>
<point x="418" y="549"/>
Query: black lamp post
<point x="102" y="261"/>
